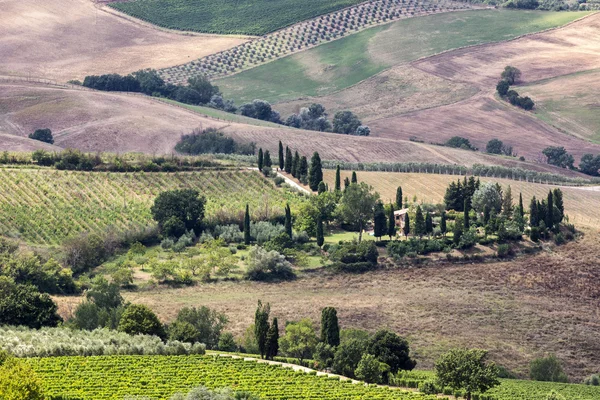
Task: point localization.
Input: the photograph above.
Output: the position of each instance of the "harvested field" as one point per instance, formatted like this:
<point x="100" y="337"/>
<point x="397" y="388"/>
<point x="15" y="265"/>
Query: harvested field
<point x="69" y="39"/>
<point x="570" y="103"/>
<point x="581" y="203"/>
<point x="18" y="143"/>
<point x="399" y="90"/>
<point x="573" y="48"/>
<point x="480" y="119"/>
<point x="545" y="303"/>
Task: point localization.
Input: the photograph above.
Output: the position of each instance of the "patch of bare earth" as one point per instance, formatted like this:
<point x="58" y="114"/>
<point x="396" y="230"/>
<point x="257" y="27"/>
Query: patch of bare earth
<point x="518" y="309"/>
<point x="69" y="39"/>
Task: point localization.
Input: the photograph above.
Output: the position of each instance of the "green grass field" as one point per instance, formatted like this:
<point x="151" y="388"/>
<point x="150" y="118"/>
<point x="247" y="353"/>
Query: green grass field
<point x="43" y="207"/>
<point x="339" y="64"/>
<point x="570" y="103"/>
<point x="248" y="17"/>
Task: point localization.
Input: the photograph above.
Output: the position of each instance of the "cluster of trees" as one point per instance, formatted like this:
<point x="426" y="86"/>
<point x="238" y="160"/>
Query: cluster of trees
<point x="352" y="353"/>
<point x="558" y="156"/>
<point x="460" y="143"/>
<point x="314" y="118"/>
<point x="43" y="135"/>
<point x="545" y="216"/>
<point x="296" y="165"/>
<point x="211" y="141"/>
<point x="496" y="146"/>
<point x="511" y="76"/>
<point x="260" y="109"/>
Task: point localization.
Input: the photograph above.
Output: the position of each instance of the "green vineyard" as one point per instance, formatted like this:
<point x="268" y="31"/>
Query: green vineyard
<point x="159" y="377"/>
<point x="44" y="207"/>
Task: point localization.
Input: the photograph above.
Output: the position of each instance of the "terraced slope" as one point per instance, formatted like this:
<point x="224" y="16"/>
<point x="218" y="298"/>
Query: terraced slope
<point x="44" y="207"/>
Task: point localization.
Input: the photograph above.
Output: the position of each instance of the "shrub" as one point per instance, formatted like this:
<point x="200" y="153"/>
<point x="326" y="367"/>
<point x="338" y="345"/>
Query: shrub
<point x="460" y="143"/>
<point x="371" y="370"/>
<point x="210" y="141"/>
<point x="18" y="381"/>
<point x="428" y="387"/>
<point x="266" y="265"/>
<point x="504" y="250"/>
<point x="139" y="319"/>
<point x="43" y="135"/>
<point x="227" y="342"/>
<point x="208" y="323"/>
<point x="24" y="305"/>
<point x="392" y="350"/>
<point x="263" y="231"/>
<point x="534" y="234"/>
<point x="354" y="256"/>
<point x="593" y="380"/>
<point x="548" y="369"/>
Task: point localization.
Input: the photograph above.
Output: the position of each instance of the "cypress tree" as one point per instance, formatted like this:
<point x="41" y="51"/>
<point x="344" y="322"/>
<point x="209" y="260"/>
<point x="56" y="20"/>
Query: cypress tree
<point x="315" y="175"/>
<point x="406" y="227"/>
<point x="302" y="171"/>
<point x="247" y="226"/>
<point x="443" y="227"/>
<point x="267" y="159"/>
<point x="428" y="224"/>
<point x="322" y="188"/>
<point x="272" y="345"/>
<point x="338" y="180"/>
<point x="521" y="208"/>
<point x="486" y="214"/>
<point x="466" y="213"/>
<point x="391" y="228"/>
<point x="507" y="204"/>
<point x="354" y="177"/>
<point x="330" y="328"/>
<point x="288" y="220"/>
<point x="281" y="156"/>
<point x="533" y="214"/>
<point x="320" y="237"/>
<point x="399" y="197"/>
<point x="419" y="222"/>
<point x="550" y="211"/>
<point x="261" y="327"/>
<point x="557" y="197"/>
<point x="379" y="220"/>
<point x="288" y="160"/>
<point x="295" y="164"/>
<point x="260" y="159"/>
<point x="457" y="232"/>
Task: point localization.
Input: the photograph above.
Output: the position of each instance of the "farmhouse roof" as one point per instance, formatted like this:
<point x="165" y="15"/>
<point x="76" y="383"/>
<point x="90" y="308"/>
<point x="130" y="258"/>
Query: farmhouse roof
<point x="401" y="212"/>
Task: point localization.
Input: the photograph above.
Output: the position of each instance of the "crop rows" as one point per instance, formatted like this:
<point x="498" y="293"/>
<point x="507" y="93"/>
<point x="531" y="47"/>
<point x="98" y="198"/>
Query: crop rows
<point x="305" y="35"/>
<point x="44" y="206"/>
<point x="159" y="377"/>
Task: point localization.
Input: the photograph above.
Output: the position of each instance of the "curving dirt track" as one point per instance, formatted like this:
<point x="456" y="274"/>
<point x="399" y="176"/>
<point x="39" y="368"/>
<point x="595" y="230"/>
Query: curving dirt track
<point x="69" y="39"/>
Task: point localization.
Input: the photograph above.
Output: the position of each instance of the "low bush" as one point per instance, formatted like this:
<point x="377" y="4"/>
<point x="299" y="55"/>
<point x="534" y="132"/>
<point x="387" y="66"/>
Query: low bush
<point x="354" y="256"/>
<point x="266" y="265"/>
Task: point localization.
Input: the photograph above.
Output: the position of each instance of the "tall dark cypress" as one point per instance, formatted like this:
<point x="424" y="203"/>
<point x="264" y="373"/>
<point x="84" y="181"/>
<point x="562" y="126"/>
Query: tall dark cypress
<point x="338" y="179"/>
<point x="288" y="220"/>
<point x="419" y="222"/>
<point x="391" y="228"/>
<point x="288" y="160"/>
<point x="260" y="159"/>
<point x="428" y="224"/>
<point x="272" y="345"/>
<point x="406" y="227"/>
<point x="261" y="327"/>
<point x="322" y="188"/>
<point x="557" y="196"/>
<point x="267" y="159"/>
<point x="399" y="197"/>
<point x="466" y="213"/>
<point x="315" y="174"/>
<point x="281" y="156"/>
<point x="443" y="227"/>
<point x="379" y="220"/>
<point x="533" y="213"/>
<point x="354" y="177"/>
<point x="295" y="164"/>
<point x="320" y="235"/>
<point x="550" y="211"/>
<point x="247" y="226"/>
<point x="521" y="209"/>
<point x="330" y="328"/>
<point x="302" y="170"/>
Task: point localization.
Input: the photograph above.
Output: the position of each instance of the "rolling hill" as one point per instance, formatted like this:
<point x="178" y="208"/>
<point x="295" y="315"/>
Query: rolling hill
<point x="69" y="39"/>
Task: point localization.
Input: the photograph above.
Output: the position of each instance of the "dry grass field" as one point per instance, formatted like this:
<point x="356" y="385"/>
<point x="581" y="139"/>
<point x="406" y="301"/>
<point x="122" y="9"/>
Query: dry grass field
<point x="520" y="309"/>
<point x="69" y="39"/>
<point x="581" y="203"/>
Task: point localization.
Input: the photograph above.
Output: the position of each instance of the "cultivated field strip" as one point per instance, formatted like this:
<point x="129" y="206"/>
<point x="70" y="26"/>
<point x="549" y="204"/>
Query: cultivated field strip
<point x="45" y="207"/>
<point x="307" y="34"/>
<point x="159" y="377"/>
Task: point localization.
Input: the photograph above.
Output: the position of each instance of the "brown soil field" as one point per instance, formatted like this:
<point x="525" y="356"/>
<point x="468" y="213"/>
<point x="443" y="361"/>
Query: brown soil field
<point x="575" y="47"/>
<point x="480" y="119"/>
<point x="69" y="39"/>
<point x="518" y="309"/>
<point x="581" y="203"/>
<point x="18" y="143"/>
<point x="96" y="121"/>
<point x="399" y="90"/>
